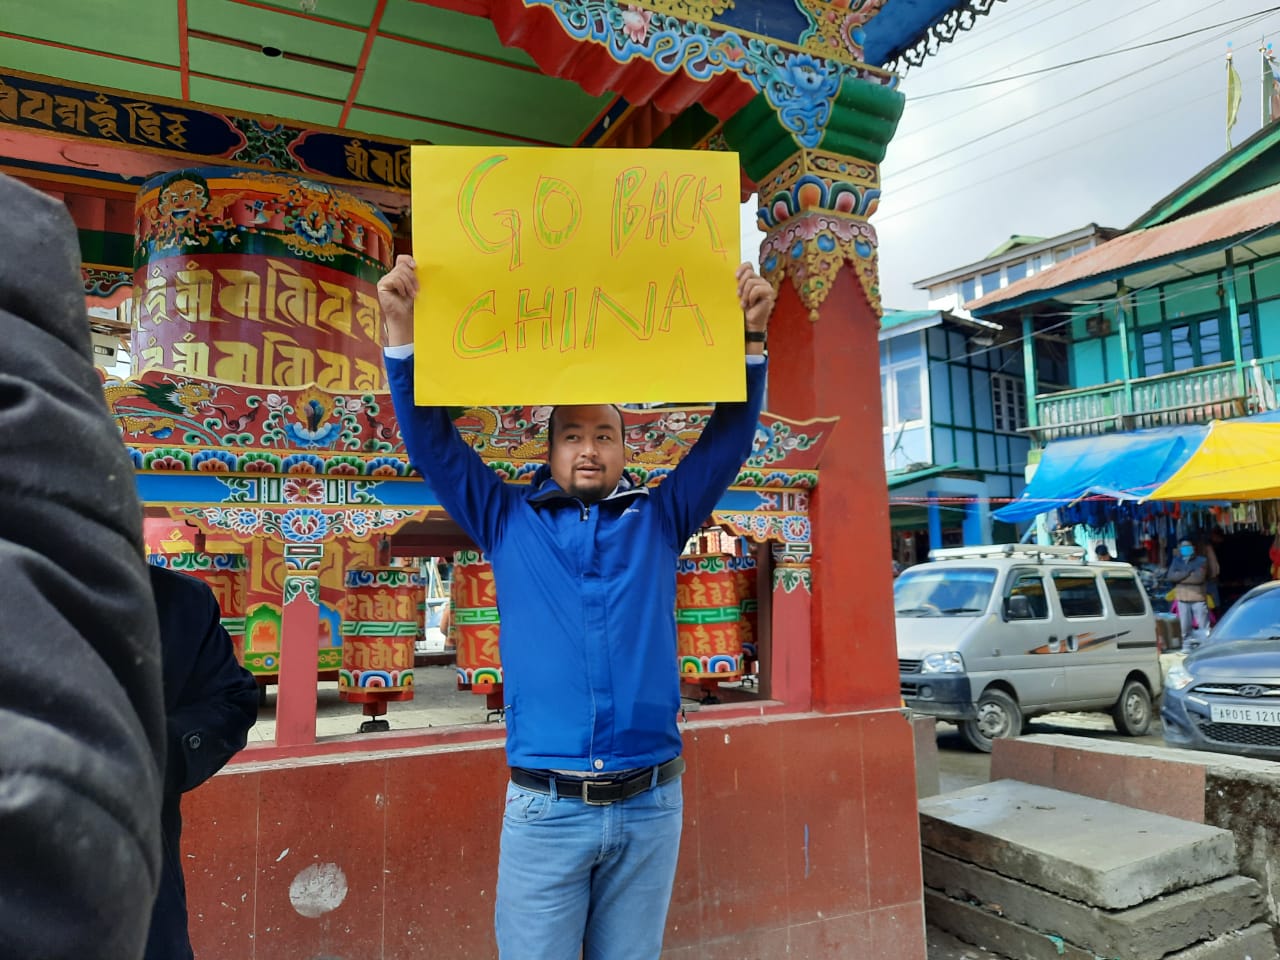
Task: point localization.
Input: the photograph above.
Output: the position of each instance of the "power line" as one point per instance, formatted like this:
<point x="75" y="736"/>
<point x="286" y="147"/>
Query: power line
<point x="1021" y="120"/>
<point x="1038" y="160"/>
<point x="986" y="103"/>
<point x="1097" y="56"/>
<point x="898" y="188"/>
<point x="1005" y="18"/>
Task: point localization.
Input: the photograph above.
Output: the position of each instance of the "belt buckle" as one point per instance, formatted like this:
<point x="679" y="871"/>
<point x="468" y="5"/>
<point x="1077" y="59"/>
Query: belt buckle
<point x="586" y="793"/>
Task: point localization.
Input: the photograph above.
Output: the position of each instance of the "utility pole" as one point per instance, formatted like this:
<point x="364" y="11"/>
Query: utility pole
<point x="1264" y="49"/>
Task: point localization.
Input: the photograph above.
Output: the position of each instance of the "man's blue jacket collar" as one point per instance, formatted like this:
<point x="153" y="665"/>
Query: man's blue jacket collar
<point x="543" y="489"/>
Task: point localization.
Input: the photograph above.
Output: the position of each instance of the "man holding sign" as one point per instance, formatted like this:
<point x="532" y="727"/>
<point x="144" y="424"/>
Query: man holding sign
<point x="585" y="564"/>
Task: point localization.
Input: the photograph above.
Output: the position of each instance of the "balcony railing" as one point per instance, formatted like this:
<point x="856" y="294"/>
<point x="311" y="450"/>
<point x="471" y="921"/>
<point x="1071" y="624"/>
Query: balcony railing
<point x="1189" y="396"/>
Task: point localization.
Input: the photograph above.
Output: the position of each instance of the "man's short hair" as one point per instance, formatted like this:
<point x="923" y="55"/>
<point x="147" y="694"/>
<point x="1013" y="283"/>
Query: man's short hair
<point x="551" y="421"/>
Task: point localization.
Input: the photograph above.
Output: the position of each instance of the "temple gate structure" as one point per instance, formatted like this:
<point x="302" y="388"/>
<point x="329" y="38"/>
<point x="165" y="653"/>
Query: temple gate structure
<point x="239" y="173"/>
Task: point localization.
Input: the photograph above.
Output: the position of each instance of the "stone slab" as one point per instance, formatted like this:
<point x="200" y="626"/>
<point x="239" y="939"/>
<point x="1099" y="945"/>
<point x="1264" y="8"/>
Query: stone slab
<point x="1000" y="935"/>
<point x="925" y="734"/>
<point x="1099" y="853"/>
<point x="1145" y="932"/>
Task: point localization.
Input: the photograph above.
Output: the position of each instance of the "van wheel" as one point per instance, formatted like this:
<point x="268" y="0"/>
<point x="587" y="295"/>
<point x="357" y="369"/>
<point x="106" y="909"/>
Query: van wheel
<point x="1132" y="712"/>
<point x="998" y="716"/>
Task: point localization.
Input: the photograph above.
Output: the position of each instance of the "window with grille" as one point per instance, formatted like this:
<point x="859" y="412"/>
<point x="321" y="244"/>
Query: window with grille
<point x="1008" y="403"/>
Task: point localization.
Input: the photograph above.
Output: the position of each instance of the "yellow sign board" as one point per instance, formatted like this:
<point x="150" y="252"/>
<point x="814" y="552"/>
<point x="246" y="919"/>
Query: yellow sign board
<point x="576" y="276"/>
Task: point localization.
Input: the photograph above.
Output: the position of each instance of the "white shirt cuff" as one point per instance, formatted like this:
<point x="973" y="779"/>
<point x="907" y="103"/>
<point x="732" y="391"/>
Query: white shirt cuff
<point x="753" y="359"/>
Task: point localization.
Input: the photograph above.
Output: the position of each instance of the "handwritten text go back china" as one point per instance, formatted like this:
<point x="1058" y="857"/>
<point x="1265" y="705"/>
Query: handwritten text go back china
<point x="661" y="210"/>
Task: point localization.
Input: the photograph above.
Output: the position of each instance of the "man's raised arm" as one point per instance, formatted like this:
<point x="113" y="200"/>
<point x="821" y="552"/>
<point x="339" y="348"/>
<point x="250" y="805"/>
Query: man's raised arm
<point x="462" y="482"/>
<point x="692" y="490"/>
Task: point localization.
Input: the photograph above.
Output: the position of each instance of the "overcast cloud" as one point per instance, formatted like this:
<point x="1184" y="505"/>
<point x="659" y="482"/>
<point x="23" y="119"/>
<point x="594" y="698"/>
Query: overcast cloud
<point x="1098" y="142"/>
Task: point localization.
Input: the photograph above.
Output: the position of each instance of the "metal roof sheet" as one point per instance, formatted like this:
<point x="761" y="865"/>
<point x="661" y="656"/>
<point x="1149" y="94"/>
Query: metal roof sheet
<point x="1247" y="214"/>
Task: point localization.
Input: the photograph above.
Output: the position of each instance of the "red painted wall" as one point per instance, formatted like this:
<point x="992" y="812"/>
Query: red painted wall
<point x="800" y="841"/>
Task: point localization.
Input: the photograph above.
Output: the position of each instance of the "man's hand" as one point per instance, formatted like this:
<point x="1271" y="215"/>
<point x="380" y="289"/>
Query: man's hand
<point x="396" y="292"/>
<point x="756" y="296"/>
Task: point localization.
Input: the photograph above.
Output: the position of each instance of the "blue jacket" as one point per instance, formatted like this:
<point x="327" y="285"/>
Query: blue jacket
<point x="586" y="593"/>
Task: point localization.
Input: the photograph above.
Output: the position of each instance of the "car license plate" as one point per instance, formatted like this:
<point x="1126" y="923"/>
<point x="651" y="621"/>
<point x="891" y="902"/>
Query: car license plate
<point x="1255" y="715"/>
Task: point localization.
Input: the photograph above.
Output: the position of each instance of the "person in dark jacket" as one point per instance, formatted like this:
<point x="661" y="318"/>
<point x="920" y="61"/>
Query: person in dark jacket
<point x="585" y="564"/>
<point x="81" y="720"/>
<point x="210" y="702"/>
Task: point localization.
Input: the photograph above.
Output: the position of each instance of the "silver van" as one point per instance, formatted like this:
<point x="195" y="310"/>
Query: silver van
<point x="989" y="637"/>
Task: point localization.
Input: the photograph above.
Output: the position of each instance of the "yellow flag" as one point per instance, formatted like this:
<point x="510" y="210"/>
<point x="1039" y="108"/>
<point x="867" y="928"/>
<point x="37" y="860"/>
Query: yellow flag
<point x="1234" y="92"/>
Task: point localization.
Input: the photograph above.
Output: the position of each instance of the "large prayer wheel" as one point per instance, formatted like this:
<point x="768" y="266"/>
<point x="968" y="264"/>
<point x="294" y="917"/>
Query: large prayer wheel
<point x="251" y="277"/>
<point x="378" y="632"/>
<point x="475" y="624"/>
<point x="744" y="578"/>
<point x="708" y="619"/>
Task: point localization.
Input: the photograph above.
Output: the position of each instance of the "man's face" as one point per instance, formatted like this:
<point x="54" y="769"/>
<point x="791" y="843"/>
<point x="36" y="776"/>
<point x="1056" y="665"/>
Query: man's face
<point x="586" y="453"/>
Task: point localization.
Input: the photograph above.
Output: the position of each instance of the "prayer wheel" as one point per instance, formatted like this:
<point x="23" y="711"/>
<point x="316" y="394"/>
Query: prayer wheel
<point x="744" y="577"/>
<point x="225" y="575"/>
<point x="708" y="619"/>
<point x="474" y="627"/>
<point x="451" y="634"/>
<point x="250" y="277"/>
<point x="378" y="632"/>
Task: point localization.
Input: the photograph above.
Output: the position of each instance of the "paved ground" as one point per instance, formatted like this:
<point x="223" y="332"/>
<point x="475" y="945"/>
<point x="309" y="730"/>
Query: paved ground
<point x="437" y="702"/>
<point x="943" y="946"/>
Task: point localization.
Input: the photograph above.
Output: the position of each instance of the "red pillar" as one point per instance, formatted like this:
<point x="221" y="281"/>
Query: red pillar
<point x="299" y="632"/>
<point x="788" y="668"/>
<point x="831" y="367"/>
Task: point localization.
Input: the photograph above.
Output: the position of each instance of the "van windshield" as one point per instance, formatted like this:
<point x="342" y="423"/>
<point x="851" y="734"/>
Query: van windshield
<point x="943" y="592"/>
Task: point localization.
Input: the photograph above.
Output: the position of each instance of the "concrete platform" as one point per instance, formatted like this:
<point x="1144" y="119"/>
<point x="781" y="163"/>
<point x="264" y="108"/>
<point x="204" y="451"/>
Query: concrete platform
<point x="1098" y="853"/>
<point x="1000" y="935"/>
<point x="1148" y="931"/>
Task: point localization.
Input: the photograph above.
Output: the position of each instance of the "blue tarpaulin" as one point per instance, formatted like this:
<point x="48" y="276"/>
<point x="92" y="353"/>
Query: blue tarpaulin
<point x="1125" y="466"/>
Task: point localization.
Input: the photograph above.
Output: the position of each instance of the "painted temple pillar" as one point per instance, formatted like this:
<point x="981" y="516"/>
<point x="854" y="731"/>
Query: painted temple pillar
<point x="299" y="626"/>
<point x="817" y="187"/>
<point x="789" y="666"/>
<point x="816" y="193"/>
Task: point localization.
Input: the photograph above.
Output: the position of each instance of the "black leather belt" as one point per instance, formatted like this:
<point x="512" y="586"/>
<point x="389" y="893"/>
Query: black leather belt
<point x="598" y="791"/>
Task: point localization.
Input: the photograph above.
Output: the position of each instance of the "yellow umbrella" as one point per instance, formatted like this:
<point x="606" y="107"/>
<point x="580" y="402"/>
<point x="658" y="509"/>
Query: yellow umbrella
<point x="1238" y="460"/>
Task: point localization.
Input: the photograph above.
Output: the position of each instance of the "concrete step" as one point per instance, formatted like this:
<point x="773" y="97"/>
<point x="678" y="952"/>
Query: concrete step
<point x="1017" y="941"/>
<point x="1098" y="853"/>
<point x="1148" y="931"/>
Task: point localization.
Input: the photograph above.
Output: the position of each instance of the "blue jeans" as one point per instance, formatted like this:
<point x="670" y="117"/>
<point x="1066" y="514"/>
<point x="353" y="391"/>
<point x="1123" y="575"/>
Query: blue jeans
<point x="577" y="880"/>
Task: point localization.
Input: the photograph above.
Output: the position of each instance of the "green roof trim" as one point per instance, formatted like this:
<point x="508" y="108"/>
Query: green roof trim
<point x="900" y="318"/>
<point x="1017" y="240"/>
<point x="1214" y="175"/>
<point x="863" y="120"/>
<point x="902" y="478"/>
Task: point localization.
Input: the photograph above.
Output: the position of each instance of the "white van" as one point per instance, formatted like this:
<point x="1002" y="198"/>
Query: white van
<point x="991" y="636"/>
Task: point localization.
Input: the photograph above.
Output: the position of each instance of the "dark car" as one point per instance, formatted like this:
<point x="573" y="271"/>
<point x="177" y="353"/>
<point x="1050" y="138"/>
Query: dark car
<point x="1225" y="696"/>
